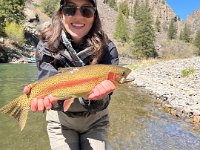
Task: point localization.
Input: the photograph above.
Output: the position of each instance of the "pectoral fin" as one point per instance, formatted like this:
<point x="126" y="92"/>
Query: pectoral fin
<point x="67" y="103"/>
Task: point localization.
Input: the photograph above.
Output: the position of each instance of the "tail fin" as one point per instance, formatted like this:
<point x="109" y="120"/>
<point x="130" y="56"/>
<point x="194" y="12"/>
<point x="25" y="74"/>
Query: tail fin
<point x="17" y="111"/>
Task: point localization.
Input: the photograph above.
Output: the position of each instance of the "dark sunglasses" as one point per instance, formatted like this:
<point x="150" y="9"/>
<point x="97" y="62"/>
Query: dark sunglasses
<point x="86" y="11"/>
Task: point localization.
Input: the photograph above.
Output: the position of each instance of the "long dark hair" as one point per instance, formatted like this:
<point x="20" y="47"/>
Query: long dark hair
<point x="96" y="38"/>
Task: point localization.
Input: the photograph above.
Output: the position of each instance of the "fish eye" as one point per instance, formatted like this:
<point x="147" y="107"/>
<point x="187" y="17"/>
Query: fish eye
<point x="123" y="73"/>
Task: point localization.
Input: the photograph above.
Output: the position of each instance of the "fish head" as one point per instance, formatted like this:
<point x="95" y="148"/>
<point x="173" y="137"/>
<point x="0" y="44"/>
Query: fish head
<point x="119" y="74"/>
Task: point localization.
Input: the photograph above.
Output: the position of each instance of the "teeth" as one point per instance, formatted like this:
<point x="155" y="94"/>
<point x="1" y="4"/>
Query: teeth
<point x="77" y="25"/>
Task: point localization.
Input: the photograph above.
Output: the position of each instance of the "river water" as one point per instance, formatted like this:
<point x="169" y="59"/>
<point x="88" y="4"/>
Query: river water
<point x="136" y="121"/>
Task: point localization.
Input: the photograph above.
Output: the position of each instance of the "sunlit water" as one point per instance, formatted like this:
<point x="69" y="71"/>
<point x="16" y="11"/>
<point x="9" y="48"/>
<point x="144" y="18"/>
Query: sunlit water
<point x="136" y="122"/>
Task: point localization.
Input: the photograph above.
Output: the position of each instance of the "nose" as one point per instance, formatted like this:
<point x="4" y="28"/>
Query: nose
<point x="78" y="12"/>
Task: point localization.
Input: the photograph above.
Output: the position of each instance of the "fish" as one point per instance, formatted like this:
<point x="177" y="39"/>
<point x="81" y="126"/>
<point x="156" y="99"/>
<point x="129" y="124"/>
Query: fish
<point x="72" y="82"/>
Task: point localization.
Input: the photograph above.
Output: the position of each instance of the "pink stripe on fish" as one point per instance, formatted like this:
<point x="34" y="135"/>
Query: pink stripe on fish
<point x="70" y="84"/>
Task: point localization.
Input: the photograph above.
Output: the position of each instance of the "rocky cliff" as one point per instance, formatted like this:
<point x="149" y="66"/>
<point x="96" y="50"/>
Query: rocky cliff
<point x="161" y="10"/>
<point x="193" y="21"/>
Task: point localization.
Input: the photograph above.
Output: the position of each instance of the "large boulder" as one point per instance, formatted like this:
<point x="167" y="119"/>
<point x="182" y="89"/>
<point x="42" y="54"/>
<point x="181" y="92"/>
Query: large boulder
<point x="3" y="55"/>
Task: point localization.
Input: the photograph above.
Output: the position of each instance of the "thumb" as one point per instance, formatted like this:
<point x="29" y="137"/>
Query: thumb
<point x="27" y="89"/>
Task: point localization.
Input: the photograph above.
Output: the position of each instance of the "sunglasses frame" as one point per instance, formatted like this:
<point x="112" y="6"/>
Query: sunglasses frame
<point x="80" y="9"/>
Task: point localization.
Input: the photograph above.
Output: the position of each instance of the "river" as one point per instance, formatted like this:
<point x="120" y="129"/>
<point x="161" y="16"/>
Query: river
<point x="137" y="123"/>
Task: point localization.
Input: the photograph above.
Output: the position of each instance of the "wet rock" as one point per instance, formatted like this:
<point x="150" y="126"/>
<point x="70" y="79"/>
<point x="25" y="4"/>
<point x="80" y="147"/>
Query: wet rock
<point x="3" y="55"/>
<point x="1" y="40"/>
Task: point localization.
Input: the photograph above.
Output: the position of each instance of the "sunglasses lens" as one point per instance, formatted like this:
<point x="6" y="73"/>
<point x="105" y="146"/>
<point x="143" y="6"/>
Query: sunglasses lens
<point x="69" y="10"/>
<point x="87" y="11"/>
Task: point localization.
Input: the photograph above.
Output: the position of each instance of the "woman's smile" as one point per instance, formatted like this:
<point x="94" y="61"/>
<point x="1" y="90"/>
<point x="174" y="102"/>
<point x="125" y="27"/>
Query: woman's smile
<point x="78" y="25"/>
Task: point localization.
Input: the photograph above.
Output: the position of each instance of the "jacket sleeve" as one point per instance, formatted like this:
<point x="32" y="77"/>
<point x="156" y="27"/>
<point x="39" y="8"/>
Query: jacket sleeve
<point x="110" y="56"/>
<point x="43" y="60"/>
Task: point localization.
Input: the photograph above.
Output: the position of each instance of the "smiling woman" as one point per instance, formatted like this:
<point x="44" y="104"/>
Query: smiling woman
<point x="75" y="39"/>
<point x="78" y="18"/>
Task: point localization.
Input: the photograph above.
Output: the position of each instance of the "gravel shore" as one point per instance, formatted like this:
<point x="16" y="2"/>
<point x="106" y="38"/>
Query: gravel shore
<point x="177" y="94"/>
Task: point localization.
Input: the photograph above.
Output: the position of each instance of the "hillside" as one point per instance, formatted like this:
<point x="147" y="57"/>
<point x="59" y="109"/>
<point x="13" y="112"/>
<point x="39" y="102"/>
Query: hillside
<point x="36" y="20"/>
<point x="164" y="13"/>
<point x="193" y="21"/>
<point x="159" y="9"/>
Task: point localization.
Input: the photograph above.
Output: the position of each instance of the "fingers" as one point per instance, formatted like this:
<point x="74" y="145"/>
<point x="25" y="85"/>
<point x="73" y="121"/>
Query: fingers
<point x="37" y="105"/>
<point x="47" y="103"/>
<point x="108" y="85"/>
<point x="101" y="90"/>
<point x="27" y="89"/>
<point x="43" y="104"/>
<point x="98" y="91"/>
<point x="34" y="105"/>
<point x="52" y="99"/>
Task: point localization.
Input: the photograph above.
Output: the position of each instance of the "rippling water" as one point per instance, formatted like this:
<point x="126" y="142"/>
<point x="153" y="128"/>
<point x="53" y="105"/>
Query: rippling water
<point x="136" y="122"/>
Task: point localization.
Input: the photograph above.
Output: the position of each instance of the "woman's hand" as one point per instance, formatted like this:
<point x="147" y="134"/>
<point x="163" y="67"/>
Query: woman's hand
<point x="101" y="90"/>
<point x="40" y="104"/>
<point x="43" y="104"/>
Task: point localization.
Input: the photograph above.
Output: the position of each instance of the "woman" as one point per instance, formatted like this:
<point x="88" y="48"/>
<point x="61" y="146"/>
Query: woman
<point x="75" y="38"/>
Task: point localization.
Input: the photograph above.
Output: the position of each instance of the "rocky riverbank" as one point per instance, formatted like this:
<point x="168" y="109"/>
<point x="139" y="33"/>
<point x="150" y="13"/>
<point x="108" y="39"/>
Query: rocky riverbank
<point x="177" y="94"/>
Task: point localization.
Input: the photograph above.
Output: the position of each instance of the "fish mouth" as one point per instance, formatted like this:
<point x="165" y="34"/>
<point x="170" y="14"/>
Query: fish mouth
<point x="126" y="80"/>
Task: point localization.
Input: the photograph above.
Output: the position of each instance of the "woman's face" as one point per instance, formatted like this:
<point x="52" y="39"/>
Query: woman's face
<point x="77" y="25"/>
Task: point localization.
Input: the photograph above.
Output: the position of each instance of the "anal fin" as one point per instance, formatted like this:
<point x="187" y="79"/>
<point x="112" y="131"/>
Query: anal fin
<point x="67" y="103"/>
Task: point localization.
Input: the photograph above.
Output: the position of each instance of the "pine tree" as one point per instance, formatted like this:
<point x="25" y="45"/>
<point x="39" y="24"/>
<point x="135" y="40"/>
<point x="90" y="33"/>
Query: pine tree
<point x="144" y="34"/>
<point x="185" y="34"/>
<point x="123" y="6"/>
<point x="197" y="41"/>
<point x="11" y="11"/>
<point x="172" y="30"/>
<point x="157" y="24"/>
<point x="135" y="9"/>
<point x="121" y="28"/>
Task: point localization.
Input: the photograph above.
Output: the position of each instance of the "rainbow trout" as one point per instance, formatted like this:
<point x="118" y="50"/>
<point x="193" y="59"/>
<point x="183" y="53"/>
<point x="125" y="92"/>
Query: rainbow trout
<point x="69" y="82"/>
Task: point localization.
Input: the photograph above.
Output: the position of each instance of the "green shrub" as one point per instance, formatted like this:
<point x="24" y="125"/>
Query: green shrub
<point x="112" y="4"/>
<point x="187" y="72"/>
<point x="49" y="6"/>
<point x="15" y="32"/>
<point x="175" y="49"/>
<point x="11" y="11"/>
